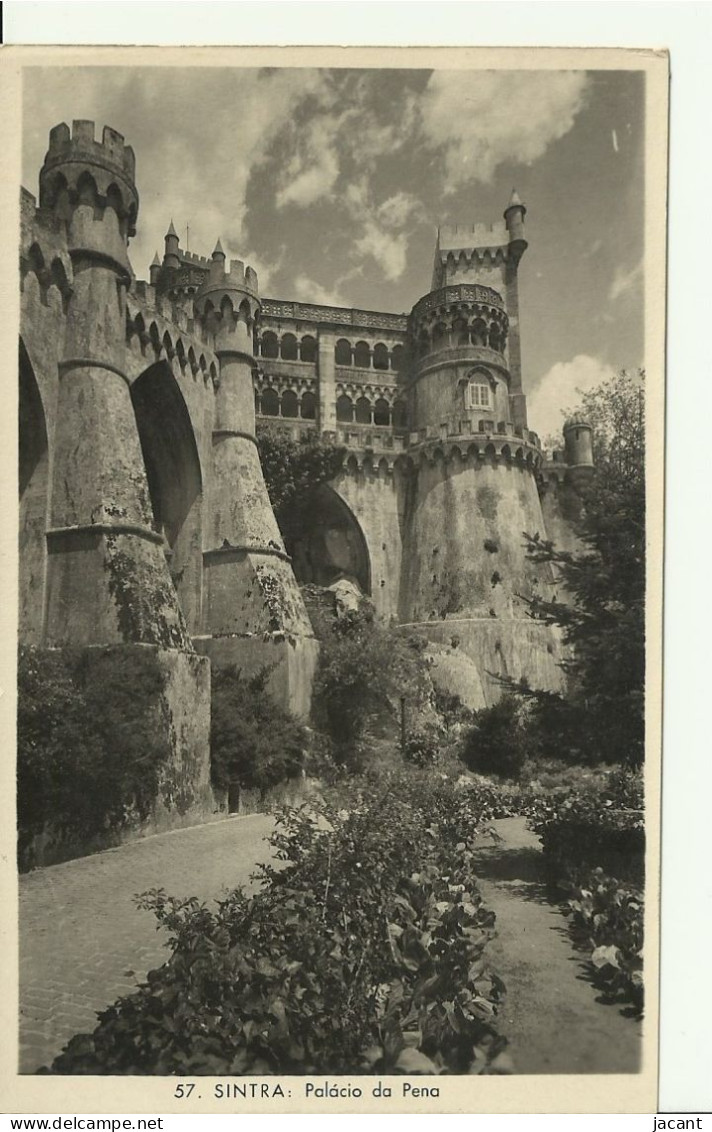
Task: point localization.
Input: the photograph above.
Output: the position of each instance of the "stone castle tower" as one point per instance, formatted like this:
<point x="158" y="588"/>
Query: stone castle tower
<point x="144" y="517"/>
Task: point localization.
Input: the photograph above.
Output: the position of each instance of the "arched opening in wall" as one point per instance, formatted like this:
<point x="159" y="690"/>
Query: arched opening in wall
<point x="423" y="343"/>
<point x="396" y="358"/>
<point x="34" y="486"/>
<point x="326" y="543"/>
<point x="494" y="337"/>
<point x="270" y="345"/>
<point x="380" y="356"/>
<point x="439" y="336"/>
<point x="289" y="348"/>
<point x="270" y="402"/>
<point x="460" y="332"/>
<point x="479" y="332"/>
<point x="363" y="411"/>
<point x="307" y="348"/>
<point x="381" y="412"/>
<point x="342" y="352"/>
<point x="290" y="404"/>
<point x="308" y="407"/>
<point x="400" y="414"/>
<point x="344" y="409"/>
<point x="170" y="456"/>
<point x="362" y="355"/>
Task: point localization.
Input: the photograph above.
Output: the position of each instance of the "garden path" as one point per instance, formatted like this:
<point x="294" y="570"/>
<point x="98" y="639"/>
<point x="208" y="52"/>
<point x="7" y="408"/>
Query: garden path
<point x="84" y="942"/>
<point x="551" y="1014"/>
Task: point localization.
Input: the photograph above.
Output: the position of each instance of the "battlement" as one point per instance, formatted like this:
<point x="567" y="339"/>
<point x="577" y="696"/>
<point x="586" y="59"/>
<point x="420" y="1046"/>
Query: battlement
<point x="452" y="237"/>
<point x="81" y="145"/>
<point x="194" y="260"/>
<point x="237" y="278"/>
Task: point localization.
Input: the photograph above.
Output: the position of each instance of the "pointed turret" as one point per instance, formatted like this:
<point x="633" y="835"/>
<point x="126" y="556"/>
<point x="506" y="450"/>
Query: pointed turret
<point x="172" y="256"/>
<point x="514" y="215"/>
<point x="217" y="267"/>
<point x="155" y="269"/>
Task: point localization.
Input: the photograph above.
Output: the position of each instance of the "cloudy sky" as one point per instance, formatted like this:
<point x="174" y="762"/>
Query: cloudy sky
<point x="332" y="184"/>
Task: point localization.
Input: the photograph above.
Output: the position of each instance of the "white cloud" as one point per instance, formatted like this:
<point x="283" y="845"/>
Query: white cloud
<point x="626" y="282"/>
<point x="559" y="390"/>
<point x="310" y="291"/>
<point x="484" y="118"/>
<point x="314" y="169"/>
<point x="198" y="134"/>
<point x="389" y="250"/>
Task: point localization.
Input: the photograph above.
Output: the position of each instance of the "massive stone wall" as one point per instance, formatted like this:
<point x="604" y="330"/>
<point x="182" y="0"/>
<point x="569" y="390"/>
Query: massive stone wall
<point x="144" y="518"/>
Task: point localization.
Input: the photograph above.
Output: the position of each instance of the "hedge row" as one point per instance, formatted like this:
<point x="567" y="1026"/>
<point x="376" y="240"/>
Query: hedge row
<point x="594" y="845"/>
<point x="362" y="952"/>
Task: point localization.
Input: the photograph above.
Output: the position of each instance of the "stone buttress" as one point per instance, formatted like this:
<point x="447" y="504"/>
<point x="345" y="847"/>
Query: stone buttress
<point x="107" y="580"/>
<point x="253" y="613"/>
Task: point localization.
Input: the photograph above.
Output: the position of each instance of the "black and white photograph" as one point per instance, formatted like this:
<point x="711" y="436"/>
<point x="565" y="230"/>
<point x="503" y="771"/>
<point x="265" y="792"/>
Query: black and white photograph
<point x="338" y="572"/>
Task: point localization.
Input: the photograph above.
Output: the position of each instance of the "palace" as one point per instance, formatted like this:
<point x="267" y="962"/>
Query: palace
<point x="144" y="517"/>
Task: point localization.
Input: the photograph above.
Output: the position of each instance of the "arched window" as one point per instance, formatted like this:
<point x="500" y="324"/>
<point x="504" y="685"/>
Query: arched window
<point x="362" y="355"/>
<point x="270" y="402"/>
<point x="307" y="348"/>
<point x="396" y="358"/>
<point x="381" y="412"/>
<point x="308" y="407"/>
<point x="290" y="404"/>
<point x="494" y="338"/>
<point x="400" y="414"/>
<point x="423" y="343"/>
<point x="289" y="348"/>
<point x="380" y="356"/>
<point x="344" y="409"/>
<point x="343" y="352"/>
<point x="439" y="336"/>
<point x="270" y="345"/>
<point x="363" y="411"/>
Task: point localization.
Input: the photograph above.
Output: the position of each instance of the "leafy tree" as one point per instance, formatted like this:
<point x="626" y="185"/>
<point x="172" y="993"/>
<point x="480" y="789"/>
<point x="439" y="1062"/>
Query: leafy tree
<point x="253" y="742"/>
<point x="497" y="743"/>
<point x="364" y="669"/>
<point x="89" y="754"/>
<point x="604" y="619"/>
<point x="293" y="469"/>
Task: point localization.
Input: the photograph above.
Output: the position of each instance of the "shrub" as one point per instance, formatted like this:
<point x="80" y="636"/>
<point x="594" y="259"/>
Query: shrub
<point x="89" y="752"/>
<point x="602" y="827"/>
<point x="422" y="747"/>
<point x="253" y="742"/>
<point x="497" y="743"/>
<point x="363" y="670"/>
<point x="361" y="953"/>
<point x="594" y="843"/>
<point x="607" y="920"/>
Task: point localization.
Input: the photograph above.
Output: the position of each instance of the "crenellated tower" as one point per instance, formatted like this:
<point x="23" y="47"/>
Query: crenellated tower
<point x="253" y="613"/>
<point x="108" y="587"/>
<point x="107" y="577"/>
<point x="473" y="488"/>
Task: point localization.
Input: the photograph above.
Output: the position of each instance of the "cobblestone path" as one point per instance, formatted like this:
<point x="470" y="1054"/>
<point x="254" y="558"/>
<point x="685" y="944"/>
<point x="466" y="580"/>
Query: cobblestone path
<point x="551" y="1014"/>
<point x="83" y="942"/>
